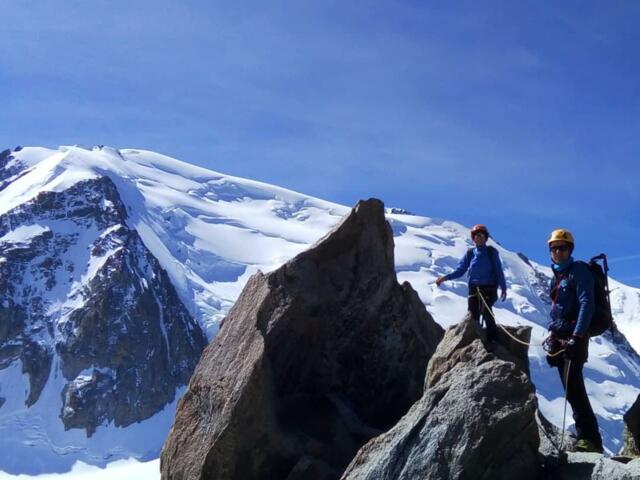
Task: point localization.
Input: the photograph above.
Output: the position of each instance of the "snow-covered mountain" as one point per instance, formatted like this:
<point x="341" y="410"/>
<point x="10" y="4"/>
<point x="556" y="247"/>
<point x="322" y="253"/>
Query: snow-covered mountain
<point x="108" y="256"/>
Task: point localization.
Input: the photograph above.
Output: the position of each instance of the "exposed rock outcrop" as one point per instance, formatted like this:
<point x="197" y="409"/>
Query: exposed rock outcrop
<point x="631" y="433"/>
<point x="593" y="466"/>
<point x="313" y="360"/>
<point x="551" y="441"/>
<point x="83" y="286"/>
<point x="10" y="168"/>
<point x="476" y="419"/>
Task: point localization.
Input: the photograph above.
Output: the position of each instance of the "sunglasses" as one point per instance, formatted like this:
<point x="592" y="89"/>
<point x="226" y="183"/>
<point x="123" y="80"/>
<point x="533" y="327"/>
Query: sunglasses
<point x="559" y="248"/>
<point x="478" y="234"/>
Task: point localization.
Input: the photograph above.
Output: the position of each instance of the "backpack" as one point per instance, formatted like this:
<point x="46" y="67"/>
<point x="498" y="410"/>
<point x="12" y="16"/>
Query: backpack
<point x="602" y="319"/>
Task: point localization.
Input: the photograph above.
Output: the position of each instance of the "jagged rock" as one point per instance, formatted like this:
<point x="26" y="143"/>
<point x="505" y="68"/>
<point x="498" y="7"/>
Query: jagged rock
<point x="593" y="466"/>
<point x="125" y="340"/>
<point x="631" y="432"/>
<point x="36" y="362"/>
<point x="476" y="419"/>
<point x="147" y="337"/>
<point x="89" y="401"/>
<point x="313" y="360"/>
<point x="7" y="172"/>
<point x="551" y="441"/>
<point x="538" y="280"/>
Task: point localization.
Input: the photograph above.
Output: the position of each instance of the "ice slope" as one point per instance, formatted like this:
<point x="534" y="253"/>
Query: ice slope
<point x="212" y="231"/>
<point x="120" y="470"/>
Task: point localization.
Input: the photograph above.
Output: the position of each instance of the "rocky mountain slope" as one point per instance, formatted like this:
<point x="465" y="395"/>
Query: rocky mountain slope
<point x="87" y="313"/>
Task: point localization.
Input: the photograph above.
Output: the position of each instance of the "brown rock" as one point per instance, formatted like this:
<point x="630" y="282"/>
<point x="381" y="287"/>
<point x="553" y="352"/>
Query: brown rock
<point x="313" y="360"/>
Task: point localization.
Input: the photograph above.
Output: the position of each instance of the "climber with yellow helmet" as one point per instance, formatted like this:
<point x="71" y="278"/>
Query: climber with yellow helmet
<point x="572" y="307"/>
<point x="485" y="276"/>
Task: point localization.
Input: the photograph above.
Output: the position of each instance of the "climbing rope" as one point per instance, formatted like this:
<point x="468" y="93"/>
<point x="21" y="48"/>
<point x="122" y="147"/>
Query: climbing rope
<point x="488" y="309"/>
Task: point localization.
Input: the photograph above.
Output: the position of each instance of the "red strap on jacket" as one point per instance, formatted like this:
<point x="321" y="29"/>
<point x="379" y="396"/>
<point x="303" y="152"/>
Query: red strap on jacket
<point x="554" y="291"/>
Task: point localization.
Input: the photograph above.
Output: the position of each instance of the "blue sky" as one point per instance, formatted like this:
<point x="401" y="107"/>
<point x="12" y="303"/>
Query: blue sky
<point x="521" y="115"/>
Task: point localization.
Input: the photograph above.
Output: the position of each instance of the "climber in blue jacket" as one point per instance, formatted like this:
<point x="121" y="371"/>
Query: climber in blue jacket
<point x="485" y="276"/>
<point x="572" y="307"/>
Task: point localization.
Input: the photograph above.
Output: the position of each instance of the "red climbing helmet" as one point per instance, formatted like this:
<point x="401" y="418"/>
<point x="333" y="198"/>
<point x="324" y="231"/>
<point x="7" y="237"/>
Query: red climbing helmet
<point x="479" y="228"/>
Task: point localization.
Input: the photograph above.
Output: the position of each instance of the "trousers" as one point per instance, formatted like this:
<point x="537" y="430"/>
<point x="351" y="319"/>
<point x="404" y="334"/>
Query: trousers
<point x="585" y="419"/>
<point x="477" y="307"/>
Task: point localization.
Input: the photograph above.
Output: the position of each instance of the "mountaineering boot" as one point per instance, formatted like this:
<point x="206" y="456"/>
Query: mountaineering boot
<point x="587" y="446"/>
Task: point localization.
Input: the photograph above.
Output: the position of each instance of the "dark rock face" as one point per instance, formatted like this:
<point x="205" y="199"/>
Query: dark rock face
<point x="313" y="360"/>
<point x="125" y="340"/>
<point x="10" y="168"/>
<point x="89" y="401"/>
<point x="134" y="325"/>
<point x="538" y="280"/>
<point x="476" y="419"/>
<point x="631" y="433"/>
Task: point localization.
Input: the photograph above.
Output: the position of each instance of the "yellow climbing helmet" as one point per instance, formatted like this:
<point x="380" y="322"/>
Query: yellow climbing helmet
<point x="561" y="235"/>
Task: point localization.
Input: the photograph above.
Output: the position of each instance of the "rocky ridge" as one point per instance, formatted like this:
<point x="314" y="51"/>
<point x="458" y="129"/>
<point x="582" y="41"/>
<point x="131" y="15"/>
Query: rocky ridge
<point x="313" y="360"/>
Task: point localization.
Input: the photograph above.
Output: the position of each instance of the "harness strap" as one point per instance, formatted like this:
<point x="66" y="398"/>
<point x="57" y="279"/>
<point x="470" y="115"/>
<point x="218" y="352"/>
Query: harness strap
<point x="556" y="287"/>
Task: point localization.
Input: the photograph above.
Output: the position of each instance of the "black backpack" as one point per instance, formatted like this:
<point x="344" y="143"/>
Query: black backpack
<point x="602" y="319"/>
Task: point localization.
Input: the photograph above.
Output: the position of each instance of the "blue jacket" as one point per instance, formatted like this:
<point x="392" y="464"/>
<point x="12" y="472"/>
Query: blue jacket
<point x="572" y="301"/>
<point x="484" y="268"/>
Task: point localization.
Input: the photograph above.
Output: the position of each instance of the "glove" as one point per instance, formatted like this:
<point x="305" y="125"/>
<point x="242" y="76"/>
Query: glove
<point x="552" y="345"/>
<point x="503" y="295"/>
<point x="571" y="348"/>
<point x="439" y="280"/>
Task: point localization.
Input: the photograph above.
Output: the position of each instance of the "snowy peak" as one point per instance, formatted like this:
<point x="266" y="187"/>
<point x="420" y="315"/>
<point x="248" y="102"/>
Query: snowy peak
<point x="188" y="217"/>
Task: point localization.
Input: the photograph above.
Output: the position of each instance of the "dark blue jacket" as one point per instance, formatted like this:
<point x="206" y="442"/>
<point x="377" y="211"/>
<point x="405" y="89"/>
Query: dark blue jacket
<point x="573" y="301"/>
<point x="484" y="268"/>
